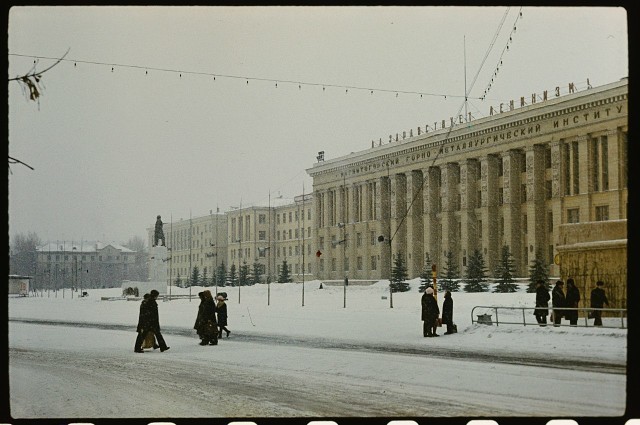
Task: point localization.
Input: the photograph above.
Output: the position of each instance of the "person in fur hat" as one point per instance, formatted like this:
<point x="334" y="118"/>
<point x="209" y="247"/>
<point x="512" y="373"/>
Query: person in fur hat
<point x="430" y="312"/>
<point x="221" y="308"/>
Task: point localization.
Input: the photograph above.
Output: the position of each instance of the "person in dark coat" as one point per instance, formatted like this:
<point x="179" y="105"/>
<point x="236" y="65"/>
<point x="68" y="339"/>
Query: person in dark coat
<point x="598" y="300"/>
<point x="542" y="303"/>
<point x="559" y="301"/>
<point x="197" y="325"/>
<point x="572" y="299"/>
<point x="149" y="321"/>
<point x="208" y="327"/>
<point x="221" y="308"/>
<point x="447" y="312"/>
<point x="430" y="312"/>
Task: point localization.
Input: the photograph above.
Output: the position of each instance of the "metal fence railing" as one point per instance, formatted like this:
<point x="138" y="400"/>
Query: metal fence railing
<point x="524" y="316"/>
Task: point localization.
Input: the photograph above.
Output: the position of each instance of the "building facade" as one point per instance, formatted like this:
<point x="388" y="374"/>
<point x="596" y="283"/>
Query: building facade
<point x="84" y="265"/>
<point x="200" y="241"/>
<point x="510" y="179"/>
<point x="268" y="235"/>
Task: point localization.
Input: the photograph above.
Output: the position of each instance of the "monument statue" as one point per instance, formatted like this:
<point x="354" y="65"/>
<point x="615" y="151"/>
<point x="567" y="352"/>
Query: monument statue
<point x="159" y="233"/>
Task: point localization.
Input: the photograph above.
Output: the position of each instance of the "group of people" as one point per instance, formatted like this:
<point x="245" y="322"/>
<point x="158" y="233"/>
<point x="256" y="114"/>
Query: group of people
<point x="565" y="305"/>
<point x="431" y="313"/>
<point x="210" y="322"/>
<point x="208" y="327"/>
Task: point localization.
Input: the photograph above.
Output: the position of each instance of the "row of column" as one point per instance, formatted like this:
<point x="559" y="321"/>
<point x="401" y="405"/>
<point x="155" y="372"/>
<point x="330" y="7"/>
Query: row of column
<point x="463" y="206"/>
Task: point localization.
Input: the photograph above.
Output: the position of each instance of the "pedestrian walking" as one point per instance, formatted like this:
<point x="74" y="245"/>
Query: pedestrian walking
<point x="430" y="312"/>
<point x="572" y="300"/>
<point x="150" y="337"/>
<point x="208" y="324"/>
<point x="447" y="312"/>
<point x="559" y="301"/>
<point x="221" y="308"/>
<point x="542" y="303"/>
<point x="198" y="324"/>
<point x="150" y="321"/>
<point x="598" y="300"/>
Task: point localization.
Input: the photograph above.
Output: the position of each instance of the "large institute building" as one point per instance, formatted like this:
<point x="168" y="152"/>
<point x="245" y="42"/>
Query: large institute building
<point x="510" y="179"/>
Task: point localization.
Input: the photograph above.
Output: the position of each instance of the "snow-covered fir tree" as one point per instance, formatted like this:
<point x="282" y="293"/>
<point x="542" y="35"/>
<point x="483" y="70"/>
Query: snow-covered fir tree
<point x="232" y="276"/>
<point x="243" y="274"/>
<point x="256" y="272"/>
<point x="221" y="275"/>
<point x="194" y="279"/>
<point x="538" y="271"/>
<point x="285" y="273"/>
<point x="426" y="276"/>
<point x="451" y="274"/>
<point x="504" y="272"/>
<point x="476" y="273"/>
<point x="399" y="275"/>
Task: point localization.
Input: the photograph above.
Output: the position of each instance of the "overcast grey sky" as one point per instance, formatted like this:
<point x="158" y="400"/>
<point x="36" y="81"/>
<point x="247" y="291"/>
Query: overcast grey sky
<point x="133" y="123"/>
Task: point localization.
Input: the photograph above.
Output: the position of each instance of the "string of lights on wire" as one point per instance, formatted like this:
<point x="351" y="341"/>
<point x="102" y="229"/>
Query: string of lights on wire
<point x="247" y="79"/>
<point x="504" y="50"/>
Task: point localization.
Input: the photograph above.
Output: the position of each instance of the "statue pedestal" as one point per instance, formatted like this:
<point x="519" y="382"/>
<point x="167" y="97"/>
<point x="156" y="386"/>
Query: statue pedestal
<point x="158" y="264"/>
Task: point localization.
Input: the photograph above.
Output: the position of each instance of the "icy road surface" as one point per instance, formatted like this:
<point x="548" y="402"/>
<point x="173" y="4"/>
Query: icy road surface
<point x="59" y="371"/>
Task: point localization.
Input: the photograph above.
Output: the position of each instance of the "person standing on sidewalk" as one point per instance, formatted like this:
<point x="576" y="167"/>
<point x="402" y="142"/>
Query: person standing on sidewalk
<point x="542" y="303"/>
<point x="559" y="301"/>
<point x="598" y="300"/>
<point x="572" y="300"/>
<point x="430" y="312"/>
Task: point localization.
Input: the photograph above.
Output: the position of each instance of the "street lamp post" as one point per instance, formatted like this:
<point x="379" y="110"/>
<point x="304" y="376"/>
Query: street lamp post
<point x="344" y="260"/>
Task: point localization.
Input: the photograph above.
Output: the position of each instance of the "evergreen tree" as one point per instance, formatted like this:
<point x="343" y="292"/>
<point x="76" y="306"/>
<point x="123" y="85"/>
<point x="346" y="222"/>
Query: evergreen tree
<point x="426" y="276"/>
<point x="538" y="271"/>
<point x="451" y="274"/>
<point x="504" y="272"/>
<point x="476" y="273"/>
<point x="285" y="273"/>
<point x="232" y="276"/>
<point x="221" y="275"/>
<point x="399" y="275"/>
<point x="177" y="282"/>
<point x="204" y="281"/>
<point x="195" y="276"/>
<point x="243" y="274"/>
<point x="257" y="271"/>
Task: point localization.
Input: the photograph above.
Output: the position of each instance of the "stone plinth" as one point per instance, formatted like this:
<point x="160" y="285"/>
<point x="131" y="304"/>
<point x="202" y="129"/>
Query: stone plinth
<point x="158" y="264"/>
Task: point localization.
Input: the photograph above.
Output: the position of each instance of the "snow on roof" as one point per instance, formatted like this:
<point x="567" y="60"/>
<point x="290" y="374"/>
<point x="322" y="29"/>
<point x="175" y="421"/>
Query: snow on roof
<point x="85" y="246"/>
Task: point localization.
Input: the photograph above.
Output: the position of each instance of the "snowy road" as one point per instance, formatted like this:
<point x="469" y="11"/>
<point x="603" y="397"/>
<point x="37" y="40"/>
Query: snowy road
<point x="243" y="377"/>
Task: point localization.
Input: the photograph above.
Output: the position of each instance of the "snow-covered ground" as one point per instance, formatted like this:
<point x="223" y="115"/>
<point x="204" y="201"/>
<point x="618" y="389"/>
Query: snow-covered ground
<point x="366" y="324"/>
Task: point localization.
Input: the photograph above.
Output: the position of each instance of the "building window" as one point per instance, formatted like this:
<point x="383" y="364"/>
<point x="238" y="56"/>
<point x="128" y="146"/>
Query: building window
<point x="262" y="218"/>
<point x="524" y="224"/>
<point x="573" y="215"/>
<point x="297" y="215"/>
<point x="500" y="167"/>
<point x="576" y="168"/>
<point x="290" y="215"/>
<point x="549" y="222"/>
<point x="359" y="263"/>
<point x="309" y="231"/>
<point x="278" y="218"/>
<point x="321" y="265"/>
<point x="297" y="234"/>
<point x="550" y="258"/>
<point x="284" y="217"/>
<point x="602" y="213"/>
<point x="262" y="235"/>
<point x="605" y="162"/>
<point x="358" y="239"/>
<point x="290" y="234"/>
<point x="523" y="193"/>
<point x="290" y="252"/>
<point x="333" y="264"/>
<point x="479" y="225"/>
<point x="501" y="196"/>
<point x="321" y="242"/>
<point x="373" y="238"/>
<point x="309" y="214"/>
<point x="374" y="263"/>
